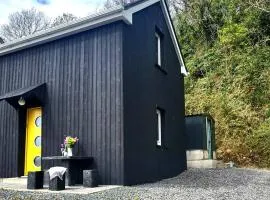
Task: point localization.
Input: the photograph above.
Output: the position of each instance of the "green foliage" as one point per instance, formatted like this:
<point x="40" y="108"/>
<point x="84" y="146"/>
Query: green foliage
<point x="259" y="142"/>
<point x="230" y="42"/>
<point x="233" y="34"/>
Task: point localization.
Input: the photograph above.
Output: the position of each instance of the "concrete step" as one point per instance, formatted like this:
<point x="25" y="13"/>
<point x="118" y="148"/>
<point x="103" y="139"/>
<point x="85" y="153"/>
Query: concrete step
<point x="205" y="164"/>
<point x="19" y="180"/>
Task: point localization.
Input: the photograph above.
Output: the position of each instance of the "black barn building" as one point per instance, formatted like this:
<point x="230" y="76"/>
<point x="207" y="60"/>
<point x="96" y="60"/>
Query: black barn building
<point x="114" y="79"/>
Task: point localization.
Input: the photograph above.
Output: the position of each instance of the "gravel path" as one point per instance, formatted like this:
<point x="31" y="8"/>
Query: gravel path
<point x="195" y="184"/>
<point x="199" y="184"/>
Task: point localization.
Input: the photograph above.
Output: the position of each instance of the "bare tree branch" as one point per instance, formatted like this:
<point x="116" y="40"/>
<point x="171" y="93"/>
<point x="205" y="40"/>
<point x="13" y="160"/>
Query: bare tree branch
<point x="66" y="17"/>
<point x="1" y="41"/>
<point x="111" y="3"/>
<point x="23" y="23"/>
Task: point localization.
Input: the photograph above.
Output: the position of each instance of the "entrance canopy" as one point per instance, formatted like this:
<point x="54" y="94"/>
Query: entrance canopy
<point x="32" y="95"/>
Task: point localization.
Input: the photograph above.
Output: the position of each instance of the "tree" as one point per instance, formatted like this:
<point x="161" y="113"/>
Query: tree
<point x="263" y="5"/>
<point x="111" y="3"/>
<point x="2" y="40"/>
<point x="24" y="23"/>
<point x="228" y="41"/>
<point x="177" y="5"/>
<point x="66" y="17"/>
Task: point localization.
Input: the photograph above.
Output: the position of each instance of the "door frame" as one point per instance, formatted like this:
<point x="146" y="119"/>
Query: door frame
<point x="22" y="113"/>
<point x="22" y="124"/>
<point x="209" y="137"/>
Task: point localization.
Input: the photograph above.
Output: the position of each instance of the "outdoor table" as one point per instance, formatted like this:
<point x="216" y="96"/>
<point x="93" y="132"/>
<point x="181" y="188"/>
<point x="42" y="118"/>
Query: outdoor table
<point x="74" y="164"/>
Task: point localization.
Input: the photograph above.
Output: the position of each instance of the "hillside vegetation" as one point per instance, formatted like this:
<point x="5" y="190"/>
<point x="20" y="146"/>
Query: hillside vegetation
<point x="226" y="45"/>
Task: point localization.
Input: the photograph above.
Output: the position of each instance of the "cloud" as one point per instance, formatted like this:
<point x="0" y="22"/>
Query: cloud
<point x="11" y="6"/>
<point x="52" y="8"/>
<point x="45" y="2"/>
<point x="79" y="8"/>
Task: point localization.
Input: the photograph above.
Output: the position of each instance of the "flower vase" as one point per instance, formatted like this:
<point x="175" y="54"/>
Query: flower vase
<point x="69" y="152"/>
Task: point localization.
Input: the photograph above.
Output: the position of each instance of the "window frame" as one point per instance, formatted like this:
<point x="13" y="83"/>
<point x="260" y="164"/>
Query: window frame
<point x="159" y="126"/>
<point x="159" y="50"/>
<point x="158" y="47"/>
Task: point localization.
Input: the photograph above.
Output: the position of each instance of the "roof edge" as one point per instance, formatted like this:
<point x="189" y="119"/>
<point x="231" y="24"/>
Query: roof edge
<point x="184" y="70"/>
<point x="118" y="13"/>
<point x="64" y="30"/>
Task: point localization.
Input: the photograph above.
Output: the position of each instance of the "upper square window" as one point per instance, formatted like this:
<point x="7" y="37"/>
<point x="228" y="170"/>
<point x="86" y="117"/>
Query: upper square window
<point x="158" y="39"/>
<point x="159" y="50"/>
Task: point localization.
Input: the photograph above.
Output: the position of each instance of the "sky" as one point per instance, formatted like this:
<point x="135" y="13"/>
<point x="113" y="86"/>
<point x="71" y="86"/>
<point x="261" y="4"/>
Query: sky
<point x="52" y="8"/>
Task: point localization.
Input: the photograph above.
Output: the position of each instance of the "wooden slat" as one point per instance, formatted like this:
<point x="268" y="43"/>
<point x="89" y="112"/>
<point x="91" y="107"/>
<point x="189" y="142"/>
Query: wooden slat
<point x="84" y="98"/>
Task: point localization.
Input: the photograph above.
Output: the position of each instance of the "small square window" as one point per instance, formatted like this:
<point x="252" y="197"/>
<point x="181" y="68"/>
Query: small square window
<point x="160" y="125"/>
<point x="158" y="49"/>
<point x="159" y="54"/>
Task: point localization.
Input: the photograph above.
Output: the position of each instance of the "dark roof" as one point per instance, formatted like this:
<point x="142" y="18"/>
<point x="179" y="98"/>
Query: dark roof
<point x="20" y="92"/>
<point x="33" y="95"/>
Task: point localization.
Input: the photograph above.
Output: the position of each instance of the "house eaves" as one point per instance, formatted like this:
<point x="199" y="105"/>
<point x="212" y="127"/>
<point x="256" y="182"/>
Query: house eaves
<point x="118" y="13"/>
<point x="64" y="30"/>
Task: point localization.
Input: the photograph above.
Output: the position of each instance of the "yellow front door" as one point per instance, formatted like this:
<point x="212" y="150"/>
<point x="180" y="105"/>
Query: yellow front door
<point x="33" y="141"/>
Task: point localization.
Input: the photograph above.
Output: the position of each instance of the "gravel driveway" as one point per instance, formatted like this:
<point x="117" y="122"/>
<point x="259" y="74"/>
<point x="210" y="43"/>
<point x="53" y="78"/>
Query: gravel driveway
<point x="195" y="184"/>
<point x="199" y="184"/>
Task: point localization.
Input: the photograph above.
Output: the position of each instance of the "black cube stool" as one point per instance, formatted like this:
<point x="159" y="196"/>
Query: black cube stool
<point x="57" y="184"/>
<point x="90" y="178"/>
<point x="35" y="180"/>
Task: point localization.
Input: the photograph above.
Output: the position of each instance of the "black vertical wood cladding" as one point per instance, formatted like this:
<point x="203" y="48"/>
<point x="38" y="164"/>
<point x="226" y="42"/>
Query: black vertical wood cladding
<point x="102" y="86"/>
<point x="146" y="87"/>
<point x="84" y="88"/>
